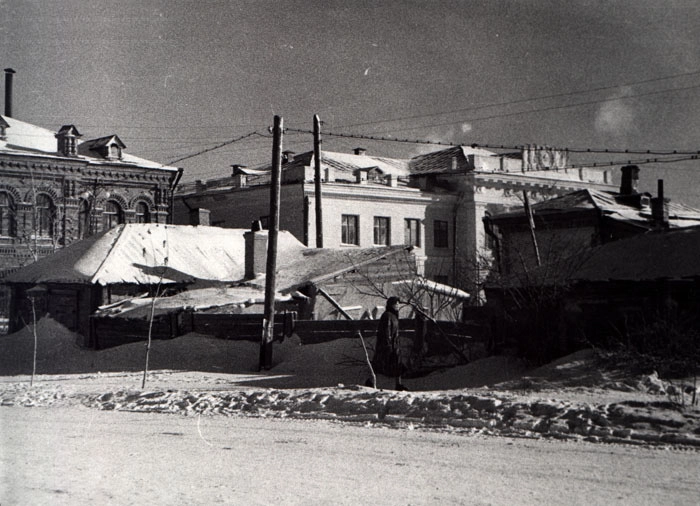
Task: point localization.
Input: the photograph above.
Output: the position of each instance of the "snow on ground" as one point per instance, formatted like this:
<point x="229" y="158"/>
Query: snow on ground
<point x="571" y="398"/>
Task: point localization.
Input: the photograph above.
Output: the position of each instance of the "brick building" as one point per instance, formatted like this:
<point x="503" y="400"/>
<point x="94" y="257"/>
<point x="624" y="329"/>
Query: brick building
<point x="56" y="187"/>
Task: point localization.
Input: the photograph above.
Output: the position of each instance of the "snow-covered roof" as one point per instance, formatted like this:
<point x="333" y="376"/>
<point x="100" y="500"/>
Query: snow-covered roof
<point x="612" y="205"/>
<point x="25" y="138"/>
<point x="428" y="285"/>
<point x="141" y="253"/>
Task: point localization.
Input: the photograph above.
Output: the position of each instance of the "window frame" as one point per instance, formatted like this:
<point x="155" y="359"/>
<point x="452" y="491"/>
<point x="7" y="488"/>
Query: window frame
<point x="382" y="226"/>
<point x="8" y="215"/>
<point x="408" y="234"/>
<point x="44" y="216"/>
<point x="346" y="230"/>
<point x="441" y="235"/>
<point x="142" y="212"/>
<point x="110" y="218"/>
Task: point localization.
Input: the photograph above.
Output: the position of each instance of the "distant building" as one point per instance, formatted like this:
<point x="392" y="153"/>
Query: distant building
<point x="565" y="225"/>
<point x="435" y="202"/>
<point x="56" y="187"/>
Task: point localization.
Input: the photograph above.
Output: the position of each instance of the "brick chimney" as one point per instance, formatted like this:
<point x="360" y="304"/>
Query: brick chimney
<point x="200" y="216"/>
<point x="630" y="179"/>
<point x="659" y="207"/>
<point x="255" y="250"/>
<point x="360" y="151"/>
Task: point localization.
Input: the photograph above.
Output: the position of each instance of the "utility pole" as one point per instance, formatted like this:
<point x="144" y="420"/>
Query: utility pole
<point x="317" y="181"/>
<point x="531" y="223"/>
<point x="271" y="267"/>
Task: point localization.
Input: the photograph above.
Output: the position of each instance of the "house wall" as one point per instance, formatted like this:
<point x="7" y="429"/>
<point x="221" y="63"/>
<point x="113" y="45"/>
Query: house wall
<point x="368" y="202"/>
<point x="69" y="304"/>
<point x="554" y="244"/>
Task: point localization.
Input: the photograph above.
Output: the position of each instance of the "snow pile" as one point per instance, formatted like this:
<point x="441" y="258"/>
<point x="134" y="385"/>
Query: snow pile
<point x="321" y="382"/>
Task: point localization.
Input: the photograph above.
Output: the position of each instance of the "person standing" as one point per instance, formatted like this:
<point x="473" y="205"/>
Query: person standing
<point x="387" y="353"/>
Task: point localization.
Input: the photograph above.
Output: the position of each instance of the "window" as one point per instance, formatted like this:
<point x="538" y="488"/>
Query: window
<point x="411" y="232"/>
<point x="7" y="215"/>
<point x="440" y="234"/>
<point x="112" y="215"/>
<point x="45" y="216"/>
<point x="441" y="278"/>
<point x="143" y="215"/>
<point x="350" y="229"/>
<point x="115" y="151"/>
<point x="382" y="231"/>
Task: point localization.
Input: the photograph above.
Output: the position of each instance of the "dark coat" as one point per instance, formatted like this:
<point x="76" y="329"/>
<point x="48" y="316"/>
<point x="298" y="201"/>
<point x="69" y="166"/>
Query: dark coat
<point x="387" y="353"/>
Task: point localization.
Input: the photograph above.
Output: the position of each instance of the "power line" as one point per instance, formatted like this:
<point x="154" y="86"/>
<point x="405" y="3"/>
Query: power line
<point x="544" y="109"/>
<point x="525" y="100"/>
<point x="214" y="147"/>
<point x="502" y="146"/>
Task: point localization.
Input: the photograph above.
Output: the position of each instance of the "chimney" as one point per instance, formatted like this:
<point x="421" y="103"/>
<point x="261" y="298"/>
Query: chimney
<point x="8" y="92"/>
<point x="200" y="216"/>
<point x="360" y="151"/>
<point x="630" y="178"/>
<point x="236" y="168"/>
<point x="255" y="250"/>
<point x="287" y="156"/>
<point x="659" y="207"/>
<point x="361" y="177"/>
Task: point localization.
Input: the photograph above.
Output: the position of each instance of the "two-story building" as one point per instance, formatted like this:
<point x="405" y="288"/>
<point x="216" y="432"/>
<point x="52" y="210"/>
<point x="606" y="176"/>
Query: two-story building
<point x="435" y="202"/>
<point x="56" y="187"/>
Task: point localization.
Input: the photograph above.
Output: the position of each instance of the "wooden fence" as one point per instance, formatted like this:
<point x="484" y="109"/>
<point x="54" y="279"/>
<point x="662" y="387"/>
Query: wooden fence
<point x="440" y="337"/>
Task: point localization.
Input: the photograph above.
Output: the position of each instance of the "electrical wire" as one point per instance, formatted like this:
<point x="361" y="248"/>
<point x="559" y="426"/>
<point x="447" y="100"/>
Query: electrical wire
<point x="525" y="100"/>
<point x="237" y="139"/>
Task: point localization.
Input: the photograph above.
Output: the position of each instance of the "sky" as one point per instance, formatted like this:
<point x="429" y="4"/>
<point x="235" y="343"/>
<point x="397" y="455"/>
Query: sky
<point x="173" y="78"/>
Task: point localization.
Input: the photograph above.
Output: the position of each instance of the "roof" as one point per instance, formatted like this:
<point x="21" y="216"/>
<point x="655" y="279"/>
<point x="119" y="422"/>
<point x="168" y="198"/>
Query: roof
<point x="297" y="267"/>
<point x="611" y="205"/>
<point x="652" y="256"/>
<point x="646" y="257"/>
<point x="140" y="253"/>
<point x="25" y="138"/>
<point x="456" y="159"/>
<point x="101" y="142"/>
<point x="349" y="162"/>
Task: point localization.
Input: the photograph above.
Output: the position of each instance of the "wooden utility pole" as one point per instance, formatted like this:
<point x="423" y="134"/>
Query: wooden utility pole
<point x="317" y="181"/>
<point x="271" y="267"/>
<point x="531" y="224"/>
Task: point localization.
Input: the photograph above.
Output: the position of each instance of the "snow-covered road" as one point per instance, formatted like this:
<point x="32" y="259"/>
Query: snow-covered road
<point x="75" y="455"/>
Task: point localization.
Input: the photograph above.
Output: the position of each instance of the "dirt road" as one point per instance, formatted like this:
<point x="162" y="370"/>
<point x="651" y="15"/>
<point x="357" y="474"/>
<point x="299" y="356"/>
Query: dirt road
<point x="80" y="456"/>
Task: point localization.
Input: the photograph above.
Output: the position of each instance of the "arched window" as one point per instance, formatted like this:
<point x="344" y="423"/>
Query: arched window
<point x="84" y="229"/>
<point x="7" y="215"/>
<point x="45" y="216"/>
<point x="113" y="214"/>
<point x="143" y="215"/>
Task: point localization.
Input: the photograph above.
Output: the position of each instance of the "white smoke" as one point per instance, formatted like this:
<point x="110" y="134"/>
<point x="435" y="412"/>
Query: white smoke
<point x="615" y="117"/>
<point x="446" y="135"/>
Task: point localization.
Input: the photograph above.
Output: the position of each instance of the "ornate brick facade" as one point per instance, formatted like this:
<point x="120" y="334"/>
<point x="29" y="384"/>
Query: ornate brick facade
<point x="56" y="189"/>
